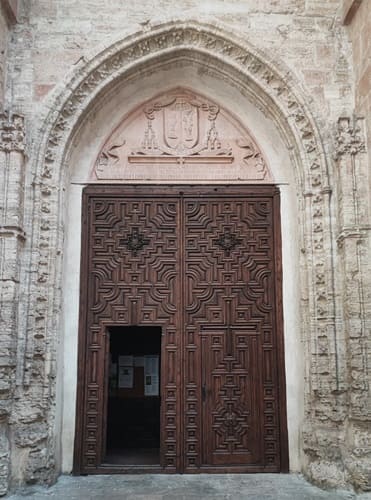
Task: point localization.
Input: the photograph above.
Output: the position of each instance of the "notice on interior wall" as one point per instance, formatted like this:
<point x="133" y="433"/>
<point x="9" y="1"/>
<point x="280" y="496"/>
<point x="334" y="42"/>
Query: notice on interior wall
<point x="113" y="369"/>
<point x="151" y="375"/>
<point x="126" y="360"/>
<point x="126" y="377"/>
<point x="139" y="361"/>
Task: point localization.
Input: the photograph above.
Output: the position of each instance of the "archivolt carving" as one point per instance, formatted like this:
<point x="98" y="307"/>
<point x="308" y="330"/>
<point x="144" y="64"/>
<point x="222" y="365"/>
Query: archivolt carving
<point x="275" y="88"/>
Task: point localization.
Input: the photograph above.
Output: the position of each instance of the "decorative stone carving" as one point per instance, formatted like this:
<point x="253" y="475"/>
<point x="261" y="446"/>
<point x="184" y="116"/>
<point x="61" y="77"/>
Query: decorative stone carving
<point x="176" y="130"/>
<point x="349" y="138"/>
<point x="12" y="137"/>
<point x="268" y="86"/>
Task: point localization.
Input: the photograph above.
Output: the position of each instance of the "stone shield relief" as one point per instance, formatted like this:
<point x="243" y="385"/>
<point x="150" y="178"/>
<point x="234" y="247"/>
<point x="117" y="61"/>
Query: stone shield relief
<point x="180" y="136"/>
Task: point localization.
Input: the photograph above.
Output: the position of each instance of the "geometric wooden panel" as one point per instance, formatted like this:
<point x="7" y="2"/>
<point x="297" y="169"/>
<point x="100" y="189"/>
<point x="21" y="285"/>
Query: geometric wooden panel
<point x="204" y="264"/>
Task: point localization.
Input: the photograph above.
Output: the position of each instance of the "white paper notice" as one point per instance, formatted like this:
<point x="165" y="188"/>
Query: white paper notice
<point x="126" y="360"/>
<point x="151" y="375"/>
<point x="126" y="377"/>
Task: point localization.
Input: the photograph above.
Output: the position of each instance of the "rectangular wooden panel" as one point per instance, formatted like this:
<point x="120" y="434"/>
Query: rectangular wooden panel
<point x="231" y="308"/>
<point x="130" y="277"/>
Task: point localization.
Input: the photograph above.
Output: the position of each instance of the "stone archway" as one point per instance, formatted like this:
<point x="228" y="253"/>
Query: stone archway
<point x="273" y="90"/>
<point x="206" y="294"/>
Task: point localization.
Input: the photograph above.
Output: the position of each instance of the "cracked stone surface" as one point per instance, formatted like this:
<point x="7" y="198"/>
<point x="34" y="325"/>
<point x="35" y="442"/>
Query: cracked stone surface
<point x="184" y="487"/>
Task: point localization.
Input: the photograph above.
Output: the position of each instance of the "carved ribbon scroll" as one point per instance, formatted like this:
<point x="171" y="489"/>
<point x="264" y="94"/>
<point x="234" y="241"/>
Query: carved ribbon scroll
<point x="180" y="135"/>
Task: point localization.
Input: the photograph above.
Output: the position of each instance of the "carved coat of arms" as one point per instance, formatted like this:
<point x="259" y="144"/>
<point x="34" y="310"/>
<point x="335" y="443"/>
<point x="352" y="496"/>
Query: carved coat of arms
<point x="178" y="129"/>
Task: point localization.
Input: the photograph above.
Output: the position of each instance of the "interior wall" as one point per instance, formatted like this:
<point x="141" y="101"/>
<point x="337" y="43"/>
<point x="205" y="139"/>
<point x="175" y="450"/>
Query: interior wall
<point x="82" y="155"/>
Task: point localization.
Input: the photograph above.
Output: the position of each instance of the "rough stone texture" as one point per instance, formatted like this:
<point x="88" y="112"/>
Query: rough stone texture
<point x="3" y="50"/>
<point x="294" y="61"/>
<point x="186" y="487"/>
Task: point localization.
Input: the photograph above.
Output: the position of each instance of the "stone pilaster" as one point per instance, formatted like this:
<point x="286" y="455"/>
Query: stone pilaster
<point x="355" y="260"/>
<point x="11" y="240"/>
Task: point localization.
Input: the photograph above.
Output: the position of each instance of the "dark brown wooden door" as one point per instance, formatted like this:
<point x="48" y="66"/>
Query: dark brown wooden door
<point x="204" y="264"/>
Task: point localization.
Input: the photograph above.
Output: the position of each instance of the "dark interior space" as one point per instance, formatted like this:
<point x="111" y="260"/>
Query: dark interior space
<point x="133" y="410"/>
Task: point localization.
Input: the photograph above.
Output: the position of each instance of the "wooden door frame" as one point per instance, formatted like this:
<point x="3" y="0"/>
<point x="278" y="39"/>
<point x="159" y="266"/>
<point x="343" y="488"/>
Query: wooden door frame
<point x="147" y="191"/>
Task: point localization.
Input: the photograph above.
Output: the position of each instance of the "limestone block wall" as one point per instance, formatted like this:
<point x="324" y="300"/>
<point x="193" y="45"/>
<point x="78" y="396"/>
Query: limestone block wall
<point x="11" y="237"/>
<point x="49" y="48"/>
<point x="300" y="32"/>
<point x="4" y="31"/>
<point x="359" y="32"/>
<point x="355" y="242"/>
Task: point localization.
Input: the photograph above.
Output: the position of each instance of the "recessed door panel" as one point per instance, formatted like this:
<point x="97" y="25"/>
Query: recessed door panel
<point x="231" y="313"/>
<point x="230" y="399"/>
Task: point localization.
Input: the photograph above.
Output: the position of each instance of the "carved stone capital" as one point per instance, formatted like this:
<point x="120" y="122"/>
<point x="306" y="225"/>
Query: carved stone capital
<point x="349" y="137"/>
<point x="12" y="134"/>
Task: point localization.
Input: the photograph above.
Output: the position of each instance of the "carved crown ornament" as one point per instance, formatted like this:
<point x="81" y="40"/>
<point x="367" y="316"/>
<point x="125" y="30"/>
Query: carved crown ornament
<point x="180" y="134"/>
<point x="12" y="136"/>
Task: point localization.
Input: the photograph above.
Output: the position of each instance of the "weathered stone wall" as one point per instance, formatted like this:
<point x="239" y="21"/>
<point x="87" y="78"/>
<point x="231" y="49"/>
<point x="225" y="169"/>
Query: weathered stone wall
<point x="4" y="31"/>
<point x="354" y="242"/>
<point x="11" y="237"/>
<point x="302" y="33"/>
<point x="359" y="32"/>
<point x="305" y="41"/>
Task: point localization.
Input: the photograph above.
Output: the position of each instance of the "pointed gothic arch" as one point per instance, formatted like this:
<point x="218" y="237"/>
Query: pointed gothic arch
<point x="270" y="87"/>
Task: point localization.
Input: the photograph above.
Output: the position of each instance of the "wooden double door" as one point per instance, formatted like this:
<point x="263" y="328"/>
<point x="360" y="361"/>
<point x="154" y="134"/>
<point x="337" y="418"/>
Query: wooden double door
<point x="204" y="264"/>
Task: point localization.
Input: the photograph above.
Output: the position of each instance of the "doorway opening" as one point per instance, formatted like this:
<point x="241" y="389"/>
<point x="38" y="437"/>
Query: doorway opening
<point x="134" y="400"/>
<point x="198" y="271"/>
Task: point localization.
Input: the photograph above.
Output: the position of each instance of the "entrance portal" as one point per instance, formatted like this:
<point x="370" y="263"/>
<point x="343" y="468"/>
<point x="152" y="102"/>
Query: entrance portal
<point x="133" y="410"/>
<point x="187" y="278"/>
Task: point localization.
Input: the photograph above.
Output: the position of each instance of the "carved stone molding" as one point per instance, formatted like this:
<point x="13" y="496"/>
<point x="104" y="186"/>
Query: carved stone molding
<point x="349" y="137"/>
<point x="12" y="134"/>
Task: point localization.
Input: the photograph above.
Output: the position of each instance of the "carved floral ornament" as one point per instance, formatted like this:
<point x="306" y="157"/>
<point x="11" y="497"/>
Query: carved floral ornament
<point x="349" y="138"/>
<point x="176" y="131"/>
<point x="11" y="132"/>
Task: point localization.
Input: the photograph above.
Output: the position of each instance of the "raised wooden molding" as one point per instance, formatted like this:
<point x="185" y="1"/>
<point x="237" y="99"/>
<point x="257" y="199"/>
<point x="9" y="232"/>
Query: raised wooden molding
<point x="350" y="8"/>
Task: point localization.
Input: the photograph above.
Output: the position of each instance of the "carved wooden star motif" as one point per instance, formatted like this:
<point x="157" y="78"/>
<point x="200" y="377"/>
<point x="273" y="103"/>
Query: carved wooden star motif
<point x="228" y="241"/>
<point x="134" y="241"/>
